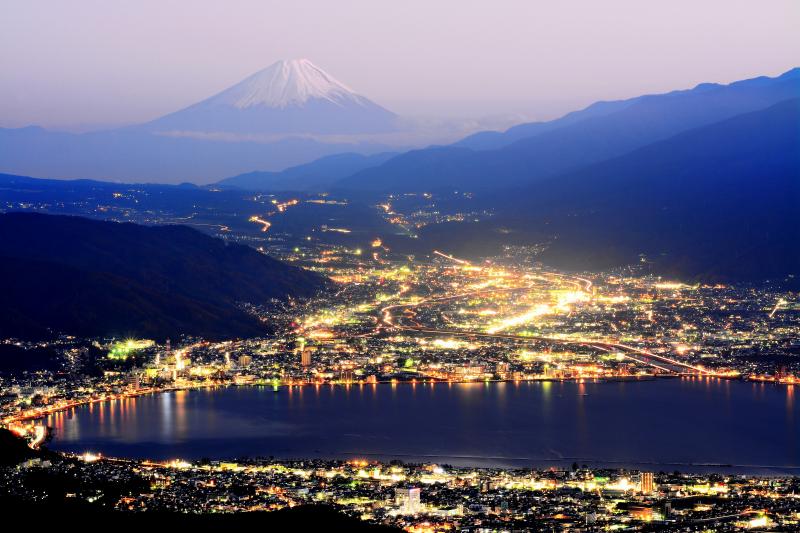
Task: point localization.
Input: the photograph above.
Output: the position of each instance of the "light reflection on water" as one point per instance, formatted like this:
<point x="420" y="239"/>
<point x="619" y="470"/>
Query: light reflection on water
<point x="669" y="422"/>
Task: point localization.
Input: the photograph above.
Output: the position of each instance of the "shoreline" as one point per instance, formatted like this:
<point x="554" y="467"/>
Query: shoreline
<point x="143" y="392"/>
<point x="457" y="461"/>
<point x="29" y="417"/>
<point x="516" y="461"/>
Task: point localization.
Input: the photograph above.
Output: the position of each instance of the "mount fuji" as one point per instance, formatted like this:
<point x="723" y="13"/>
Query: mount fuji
<point x="290" y="97"/>
<point x="285" y="115"/>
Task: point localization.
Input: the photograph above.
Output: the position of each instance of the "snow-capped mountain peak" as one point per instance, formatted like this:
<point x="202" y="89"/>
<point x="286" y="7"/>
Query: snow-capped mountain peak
<point x="289" y="97"/>
<point x="287" y="83"/>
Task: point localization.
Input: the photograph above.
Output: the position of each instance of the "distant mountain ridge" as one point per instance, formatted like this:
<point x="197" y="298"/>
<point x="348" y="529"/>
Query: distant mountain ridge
<point x="569" y="143"/>
<point x="492" y="140"/>
<point x="720" y="202"/>
<point x="488" y="140"/>
<point x="317" y="175"/>
<point x="93" y="278"/>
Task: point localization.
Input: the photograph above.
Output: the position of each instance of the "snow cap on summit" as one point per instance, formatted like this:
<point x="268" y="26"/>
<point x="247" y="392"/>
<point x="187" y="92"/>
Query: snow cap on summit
<point x="287" y="83"/>
<point x="291" y="97"/>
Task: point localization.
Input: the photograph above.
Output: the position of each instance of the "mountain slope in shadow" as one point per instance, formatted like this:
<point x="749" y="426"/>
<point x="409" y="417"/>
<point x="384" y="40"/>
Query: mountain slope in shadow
<point x="86" y="277"/>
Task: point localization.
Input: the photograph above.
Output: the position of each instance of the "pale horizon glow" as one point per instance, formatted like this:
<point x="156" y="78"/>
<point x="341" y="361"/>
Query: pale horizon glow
<point x="92" y="63"/>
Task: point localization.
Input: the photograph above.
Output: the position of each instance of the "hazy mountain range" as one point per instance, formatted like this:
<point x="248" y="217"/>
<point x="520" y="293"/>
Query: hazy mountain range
<point x="699" y="183"/>
<point x="536" y="151"/>
<point x="716" y="203"/>
<point x="528" y="152"/>
<point x="290" y="113"/>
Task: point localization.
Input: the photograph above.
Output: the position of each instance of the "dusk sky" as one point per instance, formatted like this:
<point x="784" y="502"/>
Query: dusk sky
<point x="84" y="63"/>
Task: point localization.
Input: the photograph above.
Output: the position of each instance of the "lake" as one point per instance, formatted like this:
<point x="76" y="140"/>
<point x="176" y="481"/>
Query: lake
<point x="688" y="424"/>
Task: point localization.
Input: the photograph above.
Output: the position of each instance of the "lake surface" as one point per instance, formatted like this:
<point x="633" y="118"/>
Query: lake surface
<point x="667" y="424"/>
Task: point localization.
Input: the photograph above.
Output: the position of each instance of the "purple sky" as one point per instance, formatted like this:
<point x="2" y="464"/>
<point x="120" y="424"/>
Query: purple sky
<point x="81" y="62"/>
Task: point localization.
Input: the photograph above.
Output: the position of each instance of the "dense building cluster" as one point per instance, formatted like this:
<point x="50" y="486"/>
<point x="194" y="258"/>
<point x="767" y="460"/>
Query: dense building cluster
<point x="422" y="497"/>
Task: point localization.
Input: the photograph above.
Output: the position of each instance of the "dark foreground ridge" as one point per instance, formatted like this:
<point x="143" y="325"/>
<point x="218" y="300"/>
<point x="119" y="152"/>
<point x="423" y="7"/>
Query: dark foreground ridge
<point x="62" y="274"/>
<point x="57" y="506"/>
<point x="301" y="518"/>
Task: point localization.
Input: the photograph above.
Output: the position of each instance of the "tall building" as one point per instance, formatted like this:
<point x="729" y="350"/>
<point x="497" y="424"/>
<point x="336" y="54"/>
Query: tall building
<point x="305" y="357"/>
<point x="646" y="485"/>
<point x="133" y="380"/>
<point x="501" y="369"/>
<point x="245" y="360"/>
<point x="407" y="500"/>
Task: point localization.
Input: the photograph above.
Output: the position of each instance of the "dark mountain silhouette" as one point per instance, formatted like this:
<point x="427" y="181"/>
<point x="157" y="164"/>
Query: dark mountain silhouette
<point x="317" y="175"/>
<point x="569" y="144"/>
<point x="717" y="202"/>
<point x="492" y="140"/>
<point x="14" y="450"/>
<point x="52" y="513"/>
<point x="93" y="278"/>
<point x="720" y="202"/>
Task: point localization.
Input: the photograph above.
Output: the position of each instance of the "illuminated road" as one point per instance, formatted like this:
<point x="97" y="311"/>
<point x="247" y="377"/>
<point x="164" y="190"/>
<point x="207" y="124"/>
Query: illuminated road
<point x="265" y="224"/>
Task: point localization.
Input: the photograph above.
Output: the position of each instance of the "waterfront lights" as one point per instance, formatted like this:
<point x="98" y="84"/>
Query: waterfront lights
<point x="89" y="457"/>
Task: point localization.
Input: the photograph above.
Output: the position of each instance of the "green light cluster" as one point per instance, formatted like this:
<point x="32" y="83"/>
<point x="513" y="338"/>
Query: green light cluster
<point x="120" y="351"/>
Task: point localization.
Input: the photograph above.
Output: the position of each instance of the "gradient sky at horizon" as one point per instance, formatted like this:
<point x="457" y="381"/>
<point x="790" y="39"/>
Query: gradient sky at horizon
<point x="86" y="63"/>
